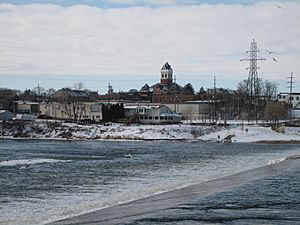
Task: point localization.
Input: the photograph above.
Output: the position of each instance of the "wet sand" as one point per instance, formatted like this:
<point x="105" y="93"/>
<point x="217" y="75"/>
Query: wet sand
<point x="157" y="204"/>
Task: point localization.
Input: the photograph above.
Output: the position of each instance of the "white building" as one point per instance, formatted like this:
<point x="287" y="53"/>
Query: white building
<point x="152" y="114"/>
<point x="294" y="100"/>
<point x="193" y="110"/>
<point x="83" y="110"/>
<point x="26" y="117"/>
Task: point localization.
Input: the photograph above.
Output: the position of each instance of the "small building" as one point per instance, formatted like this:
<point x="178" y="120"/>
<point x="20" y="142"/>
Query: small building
<point x="294" y="99"/>
<point x="76" y="112"/>
<point x="26" y="117"/>
<point x="69" y="95"/>
<point x="6" y="115"/>
<point x="152" y="114"/>
<point x="27" y="107"/>
<point x="201" y="110"/>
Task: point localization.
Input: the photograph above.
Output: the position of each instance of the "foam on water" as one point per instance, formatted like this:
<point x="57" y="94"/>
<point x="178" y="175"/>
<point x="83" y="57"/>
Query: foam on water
<point x="18" y="162"/>
<point x="292" y="157"/>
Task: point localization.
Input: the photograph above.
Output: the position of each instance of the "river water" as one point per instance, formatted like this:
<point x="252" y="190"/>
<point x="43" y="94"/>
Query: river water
<point x="44" y="181"/>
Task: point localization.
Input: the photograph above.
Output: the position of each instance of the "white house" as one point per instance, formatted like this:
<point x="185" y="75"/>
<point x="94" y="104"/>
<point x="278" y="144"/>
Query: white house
<point x="65" y="111"/>
<point x="152" y="114"/>
<point x="294" y="99"/>
<point x="26" y="117"/>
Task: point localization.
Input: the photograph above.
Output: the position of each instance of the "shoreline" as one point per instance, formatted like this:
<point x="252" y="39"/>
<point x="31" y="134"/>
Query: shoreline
<point x="156" y="204"/>
<point x="119" y="132"/>
<point x="150" y="140"/>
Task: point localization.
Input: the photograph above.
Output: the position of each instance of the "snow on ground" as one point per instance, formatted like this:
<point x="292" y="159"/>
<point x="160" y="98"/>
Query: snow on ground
<point x="253" y="133"/>
<point x="185" y="131"/>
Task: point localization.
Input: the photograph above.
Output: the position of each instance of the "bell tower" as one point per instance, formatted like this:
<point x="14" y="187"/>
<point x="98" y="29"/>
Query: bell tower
<point x="166" y="77"/>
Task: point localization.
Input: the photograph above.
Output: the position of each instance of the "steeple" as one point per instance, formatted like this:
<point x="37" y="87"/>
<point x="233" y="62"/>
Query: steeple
<point x="166" y="77"/>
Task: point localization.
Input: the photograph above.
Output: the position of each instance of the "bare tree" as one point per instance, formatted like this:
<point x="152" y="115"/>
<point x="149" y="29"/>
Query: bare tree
<point x="276" y="111"/>
<point x="50" y="91"/>
<point x="74" y="109"/>
<point x="79" y="86"/>
<point x="270" y="90"/>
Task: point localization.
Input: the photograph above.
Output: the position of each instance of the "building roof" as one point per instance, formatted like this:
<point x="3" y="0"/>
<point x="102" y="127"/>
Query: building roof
<point x="142" y="106"/>
<point x="175" y="88"/>
<point x="75" y="93"/>
<point x="166" y="66"/>
<point x="286" y="93"/>
<point x="145" y="88"/>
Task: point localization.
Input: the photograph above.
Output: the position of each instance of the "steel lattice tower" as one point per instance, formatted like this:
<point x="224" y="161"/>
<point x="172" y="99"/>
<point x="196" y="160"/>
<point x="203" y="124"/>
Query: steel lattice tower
<point x="253" y="80"/>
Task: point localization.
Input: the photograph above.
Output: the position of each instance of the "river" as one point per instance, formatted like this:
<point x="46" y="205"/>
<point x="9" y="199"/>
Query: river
<point x="45" y="181"/>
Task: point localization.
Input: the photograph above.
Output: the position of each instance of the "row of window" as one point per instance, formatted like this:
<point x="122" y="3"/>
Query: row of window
<point x="156" y="118"/>
<point x="164" y="75"/>
<point x="291" y="98"/>
<point x="83" y="117"/>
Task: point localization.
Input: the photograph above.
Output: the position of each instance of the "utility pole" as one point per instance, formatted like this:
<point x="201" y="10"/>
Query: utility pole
<point x="110" y="92"/>
<point x="253" y="80"/>
<point x="214" y="101"/>
<point x="290" y="82"/>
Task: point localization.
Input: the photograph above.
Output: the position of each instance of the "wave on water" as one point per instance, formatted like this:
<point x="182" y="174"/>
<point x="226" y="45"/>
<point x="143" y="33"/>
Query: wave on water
<point x="292" y="157"/>
<point x="30" y="162"/>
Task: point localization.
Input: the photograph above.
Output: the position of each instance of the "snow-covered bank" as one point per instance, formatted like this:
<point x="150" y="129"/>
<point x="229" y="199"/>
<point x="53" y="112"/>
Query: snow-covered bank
<point x="254" y="133"/>
<point x="70" y="131"/>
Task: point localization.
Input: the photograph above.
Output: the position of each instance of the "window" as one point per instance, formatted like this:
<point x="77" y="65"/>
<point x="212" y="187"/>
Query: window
<point x="156" y="117"/>
<point x="150" y="117"/>
<point x="283" y="97"/>
<point x="297" y="98"/>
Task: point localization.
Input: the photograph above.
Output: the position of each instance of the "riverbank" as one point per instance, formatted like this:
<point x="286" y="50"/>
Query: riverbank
<point x="53" y="130"/>
<point x="187" y="205"/>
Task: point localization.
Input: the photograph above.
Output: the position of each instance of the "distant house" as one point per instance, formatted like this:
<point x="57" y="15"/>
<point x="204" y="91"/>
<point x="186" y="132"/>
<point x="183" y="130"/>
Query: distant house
<point x="294" y="99"/>
<point x="69" y="95"/>
<point x="6" y="115"/>
<point x="26" y="117"/>
<point x="7" y="98"/>
<point x="152" y="114"/>
<point x="194" y="110"/>
<point x="27" y="107"/>
<point x="82" y="111"/>
<point x="74" y="105"/>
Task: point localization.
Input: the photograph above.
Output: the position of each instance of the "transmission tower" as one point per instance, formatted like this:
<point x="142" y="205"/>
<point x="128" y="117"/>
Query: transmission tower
<point x="253" y="83"/>
<point x="253" y="80"/>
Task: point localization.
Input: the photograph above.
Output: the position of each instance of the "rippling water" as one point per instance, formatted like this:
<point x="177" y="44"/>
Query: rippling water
<point x="42" y="181"/>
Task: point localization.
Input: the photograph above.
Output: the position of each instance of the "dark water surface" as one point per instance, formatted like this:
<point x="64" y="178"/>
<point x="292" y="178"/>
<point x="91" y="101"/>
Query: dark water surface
<point x="44" y="181"/>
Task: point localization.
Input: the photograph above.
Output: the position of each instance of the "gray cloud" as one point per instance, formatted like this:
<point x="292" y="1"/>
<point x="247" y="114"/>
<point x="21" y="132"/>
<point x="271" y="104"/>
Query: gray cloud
<point x="197" y="40"/>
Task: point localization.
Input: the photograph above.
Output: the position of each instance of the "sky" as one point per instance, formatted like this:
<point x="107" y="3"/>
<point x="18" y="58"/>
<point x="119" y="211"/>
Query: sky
<point x="57" y="43"/>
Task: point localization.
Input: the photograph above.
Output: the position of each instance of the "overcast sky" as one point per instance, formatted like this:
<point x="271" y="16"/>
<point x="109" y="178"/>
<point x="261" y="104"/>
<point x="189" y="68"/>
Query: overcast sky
<point x="125" y="42"/>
